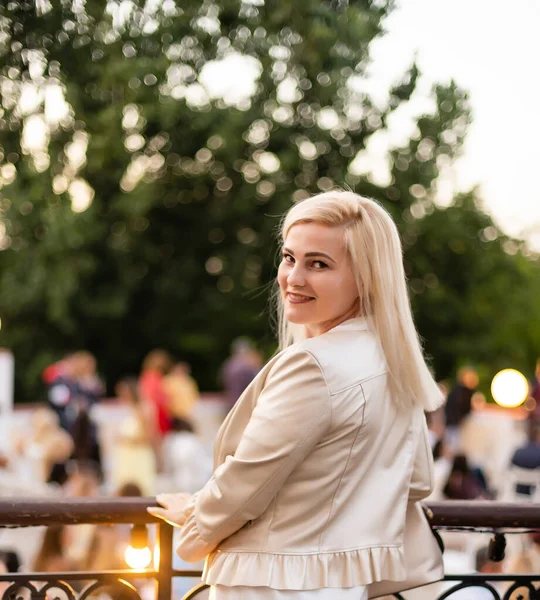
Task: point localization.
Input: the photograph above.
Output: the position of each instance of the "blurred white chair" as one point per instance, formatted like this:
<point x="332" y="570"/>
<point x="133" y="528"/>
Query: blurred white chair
<point x="517" y="476"/>
<point x="489" y="440"/>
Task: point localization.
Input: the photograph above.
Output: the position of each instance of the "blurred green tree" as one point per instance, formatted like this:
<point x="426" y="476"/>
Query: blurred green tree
<point x="140" y="188"/>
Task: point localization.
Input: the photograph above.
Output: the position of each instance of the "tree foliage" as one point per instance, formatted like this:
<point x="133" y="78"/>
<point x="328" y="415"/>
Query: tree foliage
<point x="147" y="217"/>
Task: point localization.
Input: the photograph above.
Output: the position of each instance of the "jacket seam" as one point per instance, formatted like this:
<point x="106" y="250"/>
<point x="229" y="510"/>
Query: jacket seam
<point x="327" y="386"/>
<point x="297" y="449"/>
<point x="269" y="529"/>
<point x="344" y="469"/>
<point x="357" y="383"/>
<point x="312" y="552"/>
<point x="320" y="368"/>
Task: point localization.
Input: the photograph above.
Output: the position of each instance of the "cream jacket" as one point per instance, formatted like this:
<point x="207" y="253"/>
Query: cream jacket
<point x="315" y="470"/>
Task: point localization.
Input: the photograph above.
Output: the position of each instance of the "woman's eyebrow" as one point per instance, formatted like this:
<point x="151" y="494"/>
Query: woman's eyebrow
<point x="310" y="254"/>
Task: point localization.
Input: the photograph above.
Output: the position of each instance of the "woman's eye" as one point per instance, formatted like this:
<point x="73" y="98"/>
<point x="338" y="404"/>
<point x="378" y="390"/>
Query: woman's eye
<point x="288" y="258"/>
<point x="318" y="264"/>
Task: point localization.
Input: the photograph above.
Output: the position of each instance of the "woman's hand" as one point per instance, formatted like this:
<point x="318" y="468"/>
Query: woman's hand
<point x="173" y="511"/>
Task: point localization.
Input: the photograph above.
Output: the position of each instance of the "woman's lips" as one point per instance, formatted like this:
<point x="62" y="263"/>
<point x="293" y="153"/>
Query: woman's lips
<point x="298" y="298"/>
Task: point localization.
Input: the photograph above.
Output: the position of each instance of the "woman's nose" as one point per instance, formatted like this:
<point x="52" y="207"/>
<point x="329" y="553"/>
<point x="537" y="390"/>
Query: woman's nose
<point x="296" y="277"/>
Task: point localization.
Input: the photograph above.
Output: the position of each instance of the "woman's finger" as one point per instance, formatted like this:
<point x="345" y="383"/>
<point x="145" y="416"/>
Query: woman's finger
<point x="164" y="500"/>
<point x="174" y="519"/>
<point x="155" y="511"/>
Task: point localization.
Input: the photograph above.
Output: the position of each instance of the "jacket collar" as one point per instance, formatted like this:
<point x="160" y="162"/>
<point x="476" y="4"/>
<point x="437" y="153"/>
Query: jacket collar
<point x="356" y="324"/>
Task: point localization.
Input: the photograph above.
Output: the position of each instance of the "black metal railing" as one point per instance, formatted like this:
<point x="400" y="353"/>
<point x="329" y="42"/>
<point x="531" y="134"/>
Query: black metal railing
<point x="123" y="584"/>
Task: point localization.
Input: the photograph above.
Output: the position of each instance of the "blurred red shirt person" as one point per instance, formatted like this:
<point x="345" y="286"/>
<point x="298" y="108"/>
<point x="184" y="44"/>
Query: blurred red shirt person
<point x="155" y="366"/>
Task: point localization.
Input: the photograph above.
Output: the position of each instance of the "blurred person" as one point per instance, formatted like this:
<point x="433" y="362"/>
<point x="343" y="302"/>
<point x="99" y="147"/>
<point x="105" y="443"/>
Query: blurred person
<point x="107" y="548"/>
<point x="4" y="461"/>
<point x="63" y="391"/>
<point x="155" y="366"/>
<point x="459" y="404"/>
<point x="436" y="419"/>
<point x="464" y="482"/>
<point x="83" y="482"/>
<point x="55" y="370"/>
<point x="109" y="542"/>
<point x="443" y="460"/>
<point x="43" y="448"/>
<point x="52" y="556"/>
<point x="182" y="390"/>
<point x="129" y="490"/>
<point x="87" y="448"/>
<point x="333" y="427"/>
<point x="90" y="390"/>
<point x="185" y="461"/>
<point x="534" y="393"/>
<point x="436" y="427"/>
<point x="71" y="394"/>
<point x="528" y="456"/>
<point x="535" y="386"/>
<point x="135" y="447"/>
<point x="239" y="370"/>
<point x="90" y="386"/>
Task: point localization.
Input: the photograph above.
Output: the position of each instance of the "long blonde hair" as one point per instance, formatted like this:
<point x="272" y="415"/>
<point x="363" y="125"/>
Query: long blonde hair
<point x="376" y="255"/>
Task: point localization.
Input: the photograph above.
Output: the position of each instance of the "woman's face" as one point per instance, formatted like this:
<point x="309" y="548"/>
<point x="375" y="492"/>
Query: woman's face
<point x="316" y="279"/>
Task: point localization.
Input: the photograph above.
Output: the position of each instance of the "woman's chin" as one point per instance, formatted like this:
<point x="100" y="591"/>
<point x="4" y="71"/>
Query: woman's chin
<point x="297" y="317"/>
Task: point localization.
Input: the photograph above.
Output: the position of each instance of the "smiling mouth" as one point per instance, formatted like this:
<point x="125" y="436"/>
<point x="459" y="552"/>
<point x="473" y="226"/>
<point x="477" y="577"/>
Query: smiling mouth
<point x="298" y="298"/>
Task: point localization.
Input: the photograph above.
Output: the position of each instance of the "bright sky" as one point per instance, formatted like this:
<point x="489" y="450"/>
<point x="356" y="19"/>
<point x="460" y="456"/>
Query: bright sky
<point x="492" y="49"/>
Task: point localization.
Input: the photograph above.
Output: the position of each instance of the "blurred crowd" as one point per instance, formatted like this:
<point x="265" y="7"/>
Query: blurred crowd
<point x="459" y="475"/>
<point x="156" y="447"/>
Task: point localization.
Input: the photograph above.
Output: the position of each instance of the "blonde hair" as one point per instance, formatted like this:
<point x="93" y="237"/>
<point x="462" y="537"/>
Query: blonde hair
<point x="376" y="255"/>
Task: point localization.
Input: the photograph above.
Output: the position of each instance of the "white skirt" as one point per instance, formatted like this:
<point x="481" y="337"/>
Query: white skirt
<point x="240" y="592"/>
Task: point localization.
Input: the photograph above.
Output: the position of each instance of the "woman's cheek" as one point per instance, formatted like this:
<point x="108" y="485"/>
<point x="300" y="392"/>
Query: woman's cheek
<point x="281" y="277"/>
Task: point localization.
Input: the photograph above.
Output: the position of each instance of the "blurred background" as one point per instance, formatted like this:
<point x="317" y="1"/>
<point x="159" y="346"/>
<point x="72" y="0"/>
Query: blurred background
<point x="147" y="151"/>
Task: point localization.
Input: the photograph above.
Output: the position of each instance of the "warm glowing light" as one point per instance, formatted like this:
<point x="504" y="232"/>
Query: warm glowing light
<point x="509" y="388"/>
<point x="137" y="558"/>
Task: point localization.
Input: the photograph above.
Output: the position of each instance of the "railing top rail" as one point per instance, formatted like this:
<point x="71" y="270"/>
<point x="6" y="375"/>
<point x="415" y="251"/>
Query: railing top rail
<point x="72" y="511"/>
<point x="485" y="513"/>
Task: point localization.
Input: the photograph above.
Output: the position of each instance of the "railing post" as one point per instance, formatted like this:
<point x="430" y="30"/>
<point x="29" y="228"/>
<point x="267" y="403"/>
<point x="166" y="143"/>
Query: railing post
<point x="165" y="566"/>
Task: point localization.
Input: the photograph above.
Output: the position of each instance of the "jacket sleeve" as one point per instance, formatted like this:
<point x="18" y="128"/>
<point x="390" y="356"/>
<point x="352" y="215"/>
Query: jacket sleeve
<point x="422" y="479"/>
<point x="291" y="416"/>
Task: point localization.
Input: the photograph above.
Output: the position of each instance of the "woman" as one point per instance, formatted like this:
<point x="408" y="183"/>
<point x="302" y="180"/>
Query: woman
<point x="134" y="453"/>
<point x="319" y="465"/>
<point x="155" y="366"/>
<point x="182" y="391"/>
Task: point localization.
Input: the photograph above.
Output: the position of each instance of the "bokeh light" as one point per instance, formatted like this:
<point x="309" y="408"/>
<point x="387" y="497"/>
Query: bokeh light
<point x="137" y="558"/>
<point x="509" y="388"/>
